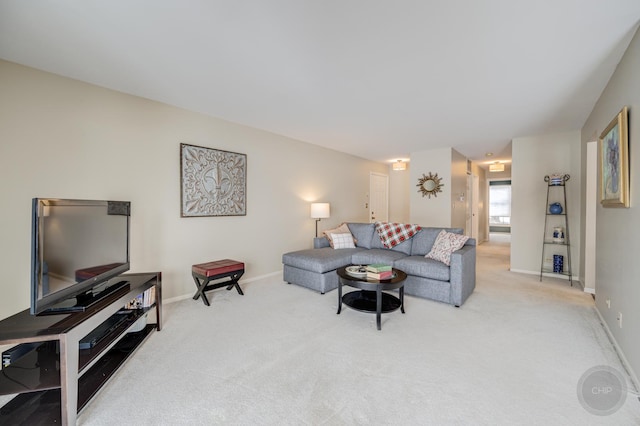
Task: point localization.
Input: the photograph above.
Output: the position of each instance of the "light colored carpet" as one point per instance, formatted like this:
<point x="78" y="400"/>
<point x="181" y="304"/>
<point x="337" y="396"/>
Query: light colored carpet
<point x="513" y="354"/>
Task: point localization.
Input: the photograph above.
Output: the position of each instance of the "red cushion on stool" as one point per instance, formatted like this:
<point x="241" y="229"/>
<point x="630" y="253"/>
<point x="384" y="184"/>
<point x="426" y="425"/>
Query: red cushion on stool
<point x="217" y="267"/>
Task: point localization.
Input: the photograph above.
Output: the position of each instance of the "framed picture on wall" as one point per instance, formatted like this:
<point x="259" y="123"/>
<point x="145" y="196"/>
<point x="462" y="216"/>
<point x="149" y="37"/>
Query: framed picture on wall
<point x="212" y="182"/>
<point x="614" y="162"/>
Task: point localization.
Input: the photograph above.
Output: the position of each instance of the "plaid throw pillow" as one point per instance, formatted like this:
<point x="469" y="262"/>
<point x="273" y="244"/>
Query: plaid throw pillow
<point x="392" y="234"/>
<point x="342" y="241"/>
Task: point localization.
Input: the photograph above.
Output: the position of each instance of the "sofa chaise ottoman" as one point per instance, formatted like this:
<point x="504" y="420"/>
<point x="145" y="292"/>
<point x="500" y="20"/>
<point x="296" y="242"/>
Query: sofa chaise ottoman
<point x="428" y="278"/>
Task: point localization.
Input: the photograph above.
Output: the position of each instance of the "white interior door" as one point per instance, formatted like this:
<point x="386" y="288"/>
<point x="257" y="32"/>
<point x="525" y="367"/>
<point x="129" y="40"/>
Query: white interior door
<point x="378" y="197"/>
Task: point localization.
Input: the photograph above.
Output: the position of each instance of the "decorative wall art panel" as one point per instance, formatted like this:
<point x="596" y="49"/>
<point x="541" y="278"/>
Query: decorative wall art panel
<point x="213" y="182"/>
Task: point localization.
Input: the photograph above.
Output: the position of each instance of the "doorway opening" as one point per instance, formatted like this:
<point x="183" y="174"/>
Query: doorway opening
<point x="500" y="210"/>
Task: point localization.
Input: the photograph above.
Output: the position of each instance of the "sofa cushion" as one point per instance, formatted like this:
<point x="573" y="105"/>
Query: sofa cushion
<point x="404" y="247"/>
<point x="320" y="242"/>
<point x="319" y="260"/>
<point x="420" y="266"/>
<point x="342" y="241"/>
<point x="446" y="243"/>
<point x="367" y="257"/>
<point x="362" y="233"/>
<point x="342" y="229"/>
<point x="422" y="242"/>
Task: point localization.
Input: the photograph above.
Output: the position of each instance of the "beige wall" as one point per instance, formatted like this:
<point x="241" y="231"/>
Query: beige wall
<point x="450" y="207"/>
<point x="533" y="158"/>
<point x="459" y="190"/>
<point x="399" y="195"/>
<point x="67" y="139"/>
<point x="618" y="229"/>
<point x="434" y="211"/>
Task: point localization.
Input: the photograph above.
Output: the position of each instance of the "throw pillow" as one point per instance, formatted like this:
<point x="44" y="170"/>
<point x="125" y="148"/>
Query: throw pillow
<point x="342" y="229"/>
<point x="446" y="243"/>
<point x="342" y="241"/>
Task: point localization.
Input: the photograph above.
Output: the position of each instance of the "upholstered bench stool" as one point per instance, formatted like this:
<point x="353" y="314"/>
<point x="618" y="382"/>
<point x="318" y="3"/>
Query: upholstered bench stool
<point x="204" y="273"/>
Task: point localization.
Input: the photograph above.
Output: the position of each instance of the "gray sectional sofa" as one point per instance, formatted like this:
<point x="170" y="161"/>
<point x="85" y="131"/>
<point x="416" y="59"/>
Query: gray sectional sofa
<point x="316" y="268"/>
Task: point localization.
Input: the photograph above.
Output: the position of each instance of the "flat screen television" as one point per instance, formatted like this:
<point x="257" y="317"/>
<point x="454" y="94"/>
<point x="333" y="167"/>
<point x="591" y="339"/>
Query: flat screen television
<point x="78" y="248"/>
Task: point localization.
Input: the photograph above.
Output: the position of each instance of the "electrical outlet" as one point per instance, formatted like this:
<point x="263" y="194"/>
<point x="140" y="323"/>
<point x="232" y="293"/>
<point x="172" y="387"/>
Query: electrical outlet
<point x="620" y="319"/>
<point x="608" y="303"/>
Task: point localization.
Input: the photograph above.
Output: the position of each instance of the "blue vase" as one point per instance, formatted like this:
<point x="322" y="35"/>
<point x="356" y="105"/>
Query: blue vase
<point x="555" y="208"/>
<point x="558" y="263"/>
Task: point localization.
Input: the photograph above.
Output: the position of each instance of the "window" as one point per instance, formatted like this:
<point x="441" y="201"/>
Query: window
<point x="500" y="203"/>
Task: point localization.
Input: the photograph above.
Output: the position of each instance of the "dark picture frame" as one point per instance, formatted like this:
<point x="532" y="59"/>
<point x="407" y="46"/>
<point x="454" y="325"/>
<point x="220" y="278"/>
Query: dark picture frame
<point x="213" y="182"/>
<point x="614" y="162"/>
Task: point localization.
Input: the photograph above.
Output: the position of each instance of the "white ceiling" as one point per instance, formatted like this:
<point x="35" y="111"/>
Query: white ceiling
<point x="378" y="79"/>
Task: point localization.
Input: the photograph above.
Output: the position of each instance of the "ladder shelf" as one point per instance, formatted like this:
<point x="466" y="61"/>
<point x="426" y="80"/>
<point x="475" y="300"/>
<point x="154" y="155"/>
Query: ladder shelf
<point x="556" y="245"/>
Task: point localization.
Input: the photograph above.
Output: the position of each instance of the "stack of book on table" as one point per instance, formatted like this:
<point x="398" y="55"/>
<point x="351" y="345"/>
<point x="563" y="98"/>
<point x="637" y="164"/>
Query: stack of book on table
<point x="379" y="271"/>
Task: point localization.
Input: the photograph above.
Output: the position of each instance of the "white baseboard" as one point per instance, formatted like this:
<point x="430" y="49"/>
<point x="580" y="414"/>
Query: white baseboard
<point x="590" y="290"/>
<point x="242" y="281"/>
<point x="625" y="363"/>
<point x="176" y="299"/>
<point x="550" y="275"/>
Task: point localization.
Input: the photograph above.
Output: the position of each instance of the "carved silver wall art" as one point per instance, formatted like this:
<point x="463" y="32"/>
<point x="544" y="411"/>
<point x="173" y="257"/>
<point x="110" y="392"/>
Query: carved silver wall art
<point x="213" y="182"/>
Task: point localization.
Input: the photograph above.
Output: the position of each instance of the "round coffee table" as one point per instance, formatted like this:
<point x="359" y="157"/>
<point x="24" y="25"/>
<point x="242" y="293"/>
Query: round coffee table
<point x="371" y="297"/>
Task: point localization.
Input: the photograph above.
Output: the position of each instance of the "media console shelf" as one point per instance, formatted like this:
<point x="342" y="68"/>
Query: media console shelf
<point x="55" y="379"/>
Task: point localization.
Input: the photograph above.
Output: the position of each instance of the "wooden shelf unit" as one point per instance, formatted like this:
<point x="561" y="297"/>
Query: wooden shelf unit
<point x="54" y="381"/>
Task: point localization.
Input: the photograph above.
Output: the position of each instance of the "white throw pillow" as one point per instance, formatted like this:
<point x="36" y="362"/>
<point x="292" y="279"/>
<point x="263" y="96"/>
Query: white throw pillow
<point x="342" y="229"/>
<point x="342" y="241"/>
<point x="446" y="243"/>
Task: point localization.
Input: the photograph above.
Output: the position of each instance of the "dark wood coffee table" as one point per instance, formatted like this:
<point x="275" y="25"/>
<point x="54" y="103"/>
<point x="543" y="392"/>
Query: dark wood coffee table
<point x="371" y="297"/>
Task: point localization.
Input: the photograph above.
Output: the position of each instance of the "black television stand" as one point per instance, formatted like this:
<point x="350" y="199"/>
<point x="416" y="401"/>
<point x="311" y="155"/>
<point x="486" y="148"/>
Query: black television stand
<point x="55" y="379"/>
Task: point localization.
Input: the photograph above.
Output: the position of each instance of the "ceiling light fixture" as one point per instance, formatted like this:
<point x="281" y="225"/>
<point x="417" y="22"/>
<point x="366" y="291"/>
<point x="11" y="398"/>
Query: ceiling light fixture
<point x="399" y="165"/>
<point x="496" y="167"/>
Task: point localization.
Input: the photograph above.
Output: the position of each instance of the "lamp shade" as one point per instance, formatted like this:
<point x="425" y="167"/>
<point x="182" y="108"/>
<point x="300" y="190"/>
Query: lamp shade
<point x="496" y="167"/>
<point x="399" y="165"/>
<point x="320" y="210"/>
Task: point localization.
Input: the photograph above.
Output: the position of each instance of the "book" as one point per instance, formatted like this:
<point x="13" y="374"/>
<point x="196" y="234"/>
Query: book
<point x="378" y="267"/>
<point x="384" y="275"/>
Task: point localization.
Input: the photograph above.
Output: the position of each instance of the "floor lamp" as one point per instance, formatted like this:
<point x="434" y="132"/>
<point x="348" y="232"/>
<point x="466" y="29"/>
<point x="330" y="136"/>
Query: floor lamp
<point x="319" y="211"/>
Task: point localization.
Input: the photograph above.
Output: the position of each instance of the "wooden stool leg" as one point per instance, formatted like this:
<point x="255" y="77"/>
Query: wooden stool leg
<point x="234" y="282"/>
<point x="201" y="287"/>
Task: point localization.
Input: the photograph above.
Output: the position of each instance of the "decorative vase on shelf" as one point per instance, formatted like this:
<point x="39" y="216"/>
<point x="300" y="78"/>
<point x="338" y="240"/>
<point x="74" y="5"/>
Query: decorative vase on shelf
<point x="558" y="234"/>
<point x="558" y="263"/>
<point x="555" y="208"/>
